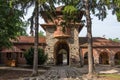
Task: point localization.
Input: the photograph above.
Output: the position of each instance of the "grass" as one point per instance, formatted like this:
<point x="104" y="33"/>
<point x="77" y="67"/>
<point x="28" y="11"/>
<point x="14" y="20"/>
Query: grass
<point x="111" y="76"/>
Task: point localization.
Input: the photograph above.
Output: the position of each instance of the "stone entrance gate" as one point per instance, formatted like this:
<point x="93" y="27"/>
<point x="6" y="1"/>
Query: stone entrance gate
<point x="60" y="38"/>
<point x="61" y="53"/>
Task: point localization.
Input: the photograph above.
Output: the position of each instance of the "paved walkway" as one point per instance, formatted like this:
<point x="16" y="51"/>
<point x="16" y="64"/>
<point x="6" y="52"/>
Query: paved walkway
<point x="58" y="73"/>
<point x="67" y="72"/>
<point x="72" y="73"/>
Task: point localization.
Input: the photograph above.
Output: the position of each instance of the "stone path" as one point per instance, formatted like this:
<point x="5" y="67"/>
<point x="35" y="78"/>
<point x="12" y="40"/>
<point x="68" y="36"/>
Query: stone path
<point x="67" y="72"/>
<point x="58" y="73"/>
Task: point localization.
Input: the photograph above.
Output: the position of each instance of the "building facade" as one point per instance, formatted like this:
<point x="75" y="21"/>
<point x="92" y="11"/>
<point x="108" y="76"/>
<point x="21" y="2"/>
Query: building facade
<point x="15" y="54"/>
<point x="105" y="51"/>
<point x="62" y="41"/>
<point x="63" y="46"/>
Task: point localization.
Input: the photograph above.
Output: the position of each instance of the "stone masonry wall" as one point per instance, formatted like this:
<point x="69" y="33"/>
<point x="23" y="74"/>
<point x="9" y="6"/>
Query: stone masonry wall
<point x="73" y="43"/>
<point x="50" y="41"/>
<point x="74" y="46"/>
<point x="97" y="51"/>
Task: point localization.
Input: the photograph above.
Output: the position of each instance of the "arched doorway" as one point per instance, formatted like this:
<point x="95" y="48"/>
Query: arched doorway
<point x="117" y="58"/>
<point x="61" y="53"/>
<point x="86" y="58"/>
<point x="104" y="58"/>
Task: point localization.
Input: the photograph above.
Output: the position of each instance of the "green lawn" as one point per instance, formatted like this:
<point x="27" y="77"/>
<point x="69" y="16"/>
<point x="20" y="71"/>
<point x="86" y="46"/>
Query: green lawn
<point x="111" y="76"/>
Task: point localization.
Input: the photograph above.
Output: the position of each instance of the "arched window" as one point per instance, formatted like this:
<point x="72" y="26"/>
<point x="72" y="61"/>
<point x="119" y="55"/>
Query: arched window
<point x="86" y="58"/>
<point x="61" y="49"/>
<point x="104" y="58"/>
<point x="117" y="58"/>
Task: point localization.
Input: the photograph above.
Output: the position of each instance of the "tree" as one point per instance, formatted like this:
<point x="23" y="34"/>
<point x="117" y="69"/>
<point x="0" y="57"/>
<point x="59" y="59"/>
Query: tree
<point x="115" y="5"/>
<point x="39" y="5"/>
<point x="42" y="57"/>
<point x="35" y="60"/>
<point x="11" y="24"/>
<point x="72" y="7"/>
<point x="23" y="32"/>
<point x="89" y="35"/>
<point x="88" y="6"/>
<point x="115" y="40"/>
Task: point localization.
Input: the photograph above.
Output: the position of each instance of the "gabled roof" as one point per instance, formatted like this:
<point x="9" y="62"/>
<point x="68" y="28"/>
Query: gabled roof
<point x="98" y="42"/>
<point x="28" y="39"/>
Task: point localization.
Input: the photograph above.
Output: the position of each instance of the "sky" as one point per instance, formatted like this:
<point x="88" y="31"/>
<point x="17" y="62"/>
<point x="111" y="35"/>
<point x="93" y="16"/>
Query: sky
<point x="108" y="28"/>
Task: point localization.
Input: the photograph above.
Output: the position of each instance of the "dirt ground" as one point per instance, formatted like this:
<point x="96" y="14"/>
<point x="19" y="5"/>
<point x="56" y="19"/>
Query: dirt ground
<point x="13" y="74"/>
<point x="10" y="73"/>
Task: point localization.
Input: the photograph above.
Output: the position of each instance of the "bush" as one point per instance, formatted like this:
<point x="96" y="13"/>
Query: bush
<point x="29" y="56"/>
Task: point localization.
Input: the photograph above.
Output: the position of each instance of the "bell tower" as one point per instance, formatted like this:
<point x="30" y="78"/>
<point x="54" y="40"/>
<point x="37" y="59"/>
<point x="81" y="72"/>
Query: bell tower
<point x="62" y="43"/>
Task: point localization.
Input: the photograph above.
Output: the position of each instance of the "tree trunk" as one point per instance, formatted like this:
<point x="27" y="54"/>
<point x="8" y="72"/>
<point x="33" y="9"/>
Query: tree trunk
<point x="81" y="58"/>
<point x="89" y="35"/>
<point x="35" y="60"/>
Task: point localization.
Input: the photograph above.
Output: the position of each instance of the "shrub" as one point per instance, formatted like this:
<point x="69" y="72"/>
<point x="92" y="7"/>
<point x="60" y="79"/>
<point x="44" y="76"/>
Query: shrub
<point x="30" y="53"/>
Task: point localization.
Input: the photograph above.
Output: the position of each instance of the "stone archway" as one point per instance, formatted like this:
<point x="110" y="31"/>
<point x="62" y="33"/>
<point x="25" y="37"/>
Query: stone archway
<point x="103" y="58"/>
<point x="117" y="58"/>
<point x="61" y="53"/>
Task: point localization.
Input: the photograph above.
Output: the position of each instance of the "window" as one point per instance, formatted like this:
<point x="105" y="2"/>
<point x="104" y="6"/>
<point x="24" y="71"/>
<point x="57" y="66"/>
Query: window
<point x="21" y="55"/>
<point x="9" y="56"/>
<point x="86" y="56"/>
<point x="23" y="49"/>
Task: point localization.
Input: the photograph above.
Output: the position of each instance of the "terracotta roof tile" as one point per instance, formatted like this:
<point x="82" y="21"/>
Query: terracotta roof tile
<point x="13" y="49"/>
<point x="28" y="39"/>
<point x="98" y="41"/>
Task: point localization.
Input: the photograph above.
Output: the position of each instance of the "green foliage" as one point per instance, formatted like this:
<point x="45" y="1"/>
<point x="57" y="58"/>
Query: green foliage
<point x="111" y="76"/>
<point x="118" y="15"/>
<point x="30" y="53"/>
<point x="97" y="7"/>
<point x="24" y="26"/>
<point x="70" y="13"/>
<point x="68" y="2"/>
<point x="41" y="34"/>
<point x="115" y="6"/>
<point x="44" y="5"/>
<point x="69" y="10"/>
<point x="116" y="2"/>
<point x="117" y="12"/>
<point x="42" y="1"/>
<point x="115" y="40"/>
<point x="10" y="23"/>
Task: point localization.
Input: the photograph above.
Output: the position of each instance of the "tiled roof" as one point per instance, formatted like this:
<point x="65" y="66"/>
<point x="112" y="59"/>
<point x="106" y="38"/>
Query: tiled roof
<point x="28" y="39"/>
<point x="13" y="49"/>
<point x="98" y="41"/>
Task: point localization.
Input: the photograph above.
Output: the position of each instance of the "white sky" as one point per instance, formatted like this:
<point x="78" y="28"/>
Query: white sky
<point x="109" y="27"/>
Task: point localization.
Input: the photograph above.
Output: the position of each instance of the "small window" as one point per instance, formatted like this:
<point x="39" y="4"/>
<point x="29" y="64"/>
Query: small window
<point x="86" y="56"/>
<point x="23" y="49"/>
<point x="21" y="55"/>
<point x="9" y="56"/>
